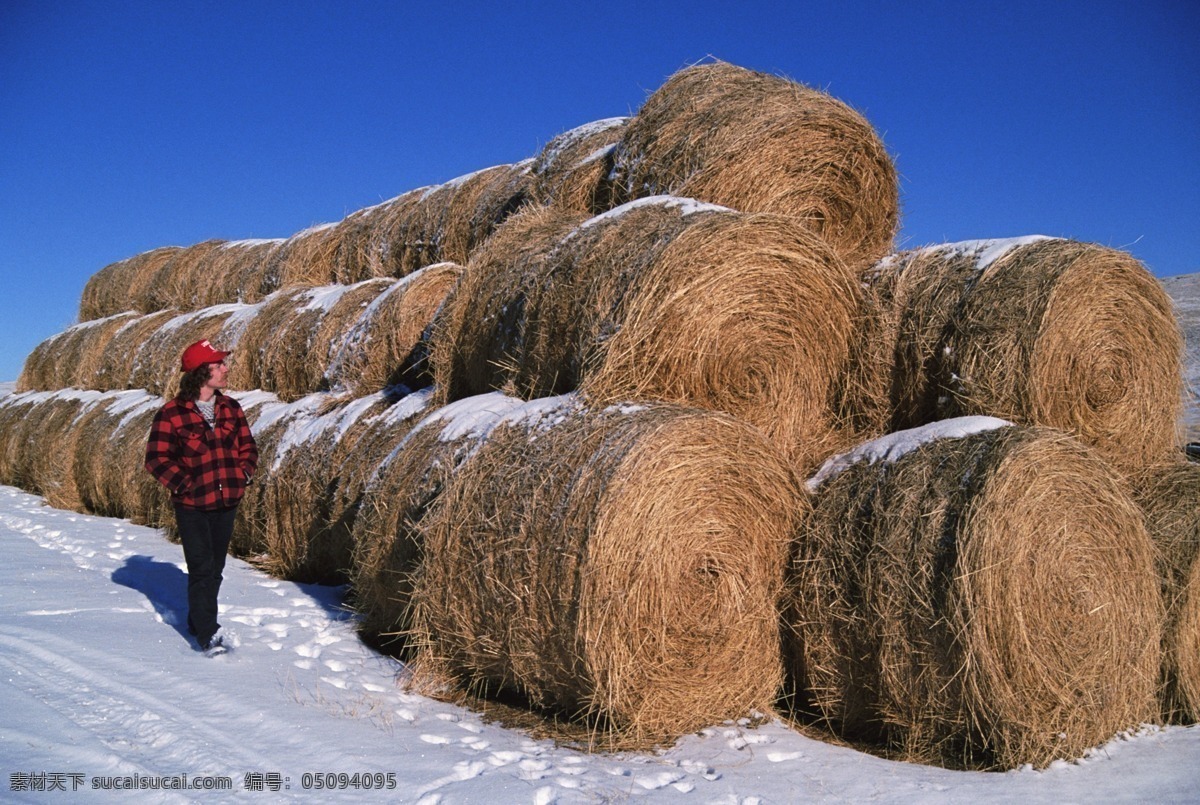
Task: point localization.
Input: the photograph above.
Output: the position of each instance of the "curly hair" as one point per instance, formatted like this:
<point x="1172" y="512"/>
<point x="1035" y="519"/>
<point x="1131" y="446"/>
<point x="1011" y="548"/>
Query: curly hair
<point x="189" y="386"/>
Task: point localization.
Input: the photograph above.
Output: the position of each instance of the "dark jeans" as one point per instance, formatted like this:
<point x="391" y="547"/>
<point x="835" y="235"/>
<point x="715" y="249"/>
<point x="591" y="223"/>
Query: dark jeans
<point x="205" y="536"/>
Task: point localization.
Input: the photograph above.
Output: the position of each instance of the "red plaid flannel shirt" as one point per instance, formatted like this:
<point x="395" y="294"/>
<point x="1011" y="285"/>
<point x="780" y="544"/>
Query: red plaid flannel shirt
<point x="204" y="467"/>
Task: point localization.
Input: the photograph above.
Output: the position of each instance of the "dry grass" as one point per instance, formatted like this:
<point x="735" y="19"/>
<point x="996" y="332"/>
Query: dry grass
<point x="269" y="418"/>
<point x="478" y="340"/>
<point x="620" y="567"/>
<point x="363" y="247"/>
<point x="179" y="281"/>
<point x="448" y="222"/>
<point x="980" y="602"/>
<point x="287" y="345"/>
<point x="761" y="143"/>
<point x="1169" y="494"/>
<point x="1051" y="332"/>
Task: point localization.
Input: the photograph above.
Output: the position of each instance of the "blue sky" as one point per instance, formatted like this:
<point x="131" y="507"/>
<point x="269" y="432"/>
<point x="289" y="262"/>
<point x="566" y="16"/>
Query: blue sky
<point x="125" y="126"/>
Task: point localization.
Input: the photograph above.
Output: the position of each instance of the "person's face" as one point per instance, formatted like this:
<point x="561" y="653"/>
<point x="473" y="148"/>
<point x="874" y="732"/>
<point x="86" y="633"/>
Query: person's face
<point x="218" y="372"/>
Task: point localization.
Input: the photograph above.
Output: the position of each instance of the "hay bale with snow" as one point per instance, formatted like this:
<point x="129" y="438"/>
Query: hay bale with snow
<point x="573" y="170"/>
<point x="1039" y="331"/>
<point x="621" y="566"/>
<point x="363" y="244"/>
<point x="387" y="344"/>
<point x="296" y="331"/>
<point x="286" y="346"/>
<point x="976" y="594"/>
<point x="298" y="490"/>
<point x="102" y="485"/>
<point x="661" y="299"/>
<point x="71" y="358"/>
<point x="360" y="451"/>
<point x="394" y="499"/>
<point x="122" y="466"/>
<point x="110" y="290"/>
<point x="15" y="410"/>
<point x="172" y="285"/>
<point x="761" y="143"/>
<point x="304" y="260"/>
<point x="40" y="436"/>
<point x="448" y="222"/>
<point x="235" y="272"/>
<point x="52" y="434"/>
<point x="269" y="419"/>
<point x="478" y="343"/>
<point x="1169" y="495"/>
<point x="114" y="369"/>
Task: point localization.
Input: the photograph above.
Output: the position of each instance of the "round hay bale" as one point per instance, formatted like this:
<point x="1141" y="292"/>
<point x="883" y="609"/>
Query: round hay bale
<point x="360" y="450"/>
<point x="660" y="299"/>
<point x="109" y="290"/>
<point x="173" y="284"/>
<point x="14" y="410"/>
<point x="287" y="346"/>
<point x="1169" y="495"/>
<point x="622" y="566"/>
<point x="477" y="344"/>
<point x="448" y="222"/>
<point x="403" y="241"/>
<point x="155" y="365"/>
<point x="362" y="244"/>
<point x="573" y="171"/>
<point x="133" y="491"/>
<point x="97" y="480"/>
<point x="235" y="272"/>
<point x="297" y="491"/>
<point x="505" y="191"/>
<point x="70" y="358"/>
<point x="975" y="594"/>
<point x="304" y="260"/>
<point x="53" y="434"/>
<point x="387" y="345"/>
<point x="114" y="369"/>
<point x="38" y="445"/>
<point x="1039" y="331"/>
<point x="392" y="500"/>
<point x="342" y="316"/>
<point x="269" y="418"/>
<point x="761" y="143"/>
<point x="276" y="333"/>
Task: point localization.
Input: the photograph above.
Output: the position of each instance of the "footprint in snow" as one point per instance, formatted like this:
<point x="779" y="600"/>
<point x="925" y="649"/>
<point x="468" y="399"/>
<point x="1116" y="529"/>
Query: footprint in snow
<point x="653" y="782"/>
<point x="435" y="739"/>
<point x="782" y="757"/>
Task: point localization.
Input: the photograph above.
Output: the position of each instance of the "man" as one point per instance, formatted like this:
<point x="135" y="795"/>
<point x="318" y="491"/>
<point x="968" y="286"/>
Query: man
<point x="201" y="449"/>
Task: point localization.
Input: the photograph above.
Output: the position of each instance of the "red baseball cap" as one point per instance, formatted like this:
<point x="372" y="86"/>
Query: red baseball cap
<point x="200" y="353"/>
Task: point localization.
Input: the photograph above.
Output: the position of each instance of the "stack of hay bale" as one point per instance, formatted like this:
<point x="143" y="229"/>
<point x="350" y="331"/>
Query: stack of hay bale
<point x="553" y="422"/>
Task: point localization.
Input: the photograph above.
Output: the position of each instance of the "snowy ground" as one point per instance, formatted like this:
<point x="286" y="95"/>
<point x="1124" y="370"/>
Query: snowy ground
<point x="100" y="686"/>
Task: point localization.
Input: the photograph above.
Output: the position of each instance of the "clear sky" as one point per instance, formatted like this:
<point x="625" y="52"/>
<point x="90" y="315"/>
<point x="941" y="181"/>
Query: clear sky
<point x="126" y="125"/>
